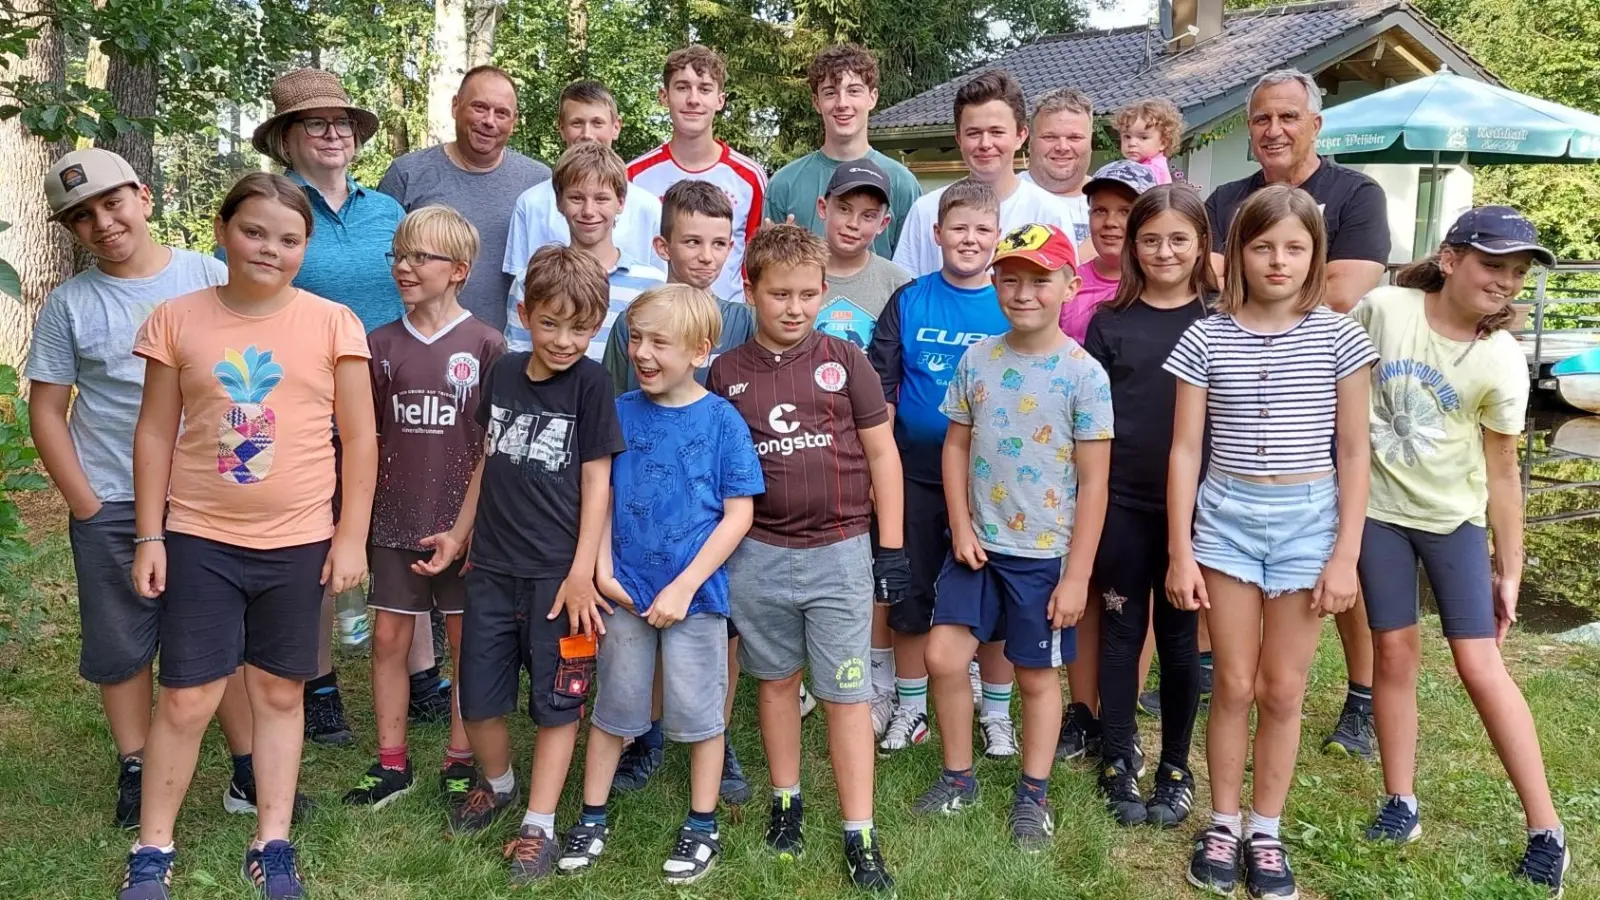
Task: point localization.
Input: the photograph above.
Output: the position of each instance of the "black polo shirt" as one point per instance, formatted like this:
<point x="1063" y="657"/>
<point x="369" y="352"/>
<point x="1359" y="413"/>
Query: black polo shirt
<point x="1353" y="206"/>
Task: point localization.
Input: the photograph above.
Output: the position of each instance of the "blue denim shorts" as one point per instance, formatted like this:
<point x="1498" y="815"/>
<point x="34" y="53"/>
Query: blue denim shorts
<point x="1277" y="537"/>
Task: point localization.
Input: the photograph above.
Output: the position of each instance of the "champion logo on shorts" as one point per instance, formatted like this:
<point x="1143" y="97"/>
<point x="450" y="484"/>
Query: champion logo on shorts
<point x="831" y="376"/>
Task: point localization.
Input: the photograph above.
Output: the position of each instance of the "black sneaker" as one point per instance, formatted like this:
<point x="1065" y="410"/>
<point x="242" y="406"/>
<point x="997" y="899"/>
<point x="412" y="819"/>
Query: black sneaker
<point x="785" y="834"/>
<point x="735" y="789"/>
<point x="692" y="856"/>
<point x="1545" y="863"/>
<point x="148" y="875"/>
<point x="1214" y="866"/>
<point x="947" y="797"/>
<point x="430" y="698"/>
<point x="130" y="793"/>
<point x="634" y="769"/>
<point x="865" y="861"/>
<point x="533" y="855"/>
<point x="1396" y="822"/>
<point x="1266" y="870"/>
<point x="240" y="799"/>
<point x="1032" y="825"/>
<point x="481" y="807"/>
<point x="1354" y="735"/>
<point x="1120" y="788"/>
<point x="273" y="871"/>
<point x="1172" y="798"/>
<point x="325" y="722"/>
<point x="1078" y="731"/>
<point x="583" y="846"/>
<point x="380" y="787"/>
<point x="456" y="782"/>
<point x="1150" y="703"/>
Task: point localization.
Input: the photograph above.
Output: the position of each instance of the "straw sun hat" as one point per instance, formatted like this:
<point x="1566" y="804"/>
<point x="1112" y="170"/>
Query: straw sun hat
<point x="303" y="89"/>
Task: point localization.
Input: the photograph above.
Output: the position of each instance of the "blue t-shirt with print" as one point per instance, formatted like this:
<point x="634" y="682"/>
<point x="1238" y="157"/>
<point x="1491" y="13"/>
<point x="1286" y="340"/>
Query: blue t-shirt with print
<point x="669" y="485"/>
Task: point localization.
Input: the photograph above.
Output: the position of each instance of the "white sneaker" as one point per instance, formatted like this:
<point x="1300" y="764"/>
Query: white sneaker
<point x="976" y="677"/>
<point x="908" y="726"/>
<point x="807" y="702"/>
<point x="999" y="736"/>
<point x="883" y="707"/>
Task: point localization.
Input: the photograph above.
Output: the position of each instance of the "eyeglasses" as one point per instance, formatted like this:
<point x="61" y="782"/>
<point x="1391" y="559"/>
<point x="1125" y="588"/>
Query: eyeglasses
<point x="416" y="259"/>
<point x="315" y="127"/>
<point x="1150" y="243"/>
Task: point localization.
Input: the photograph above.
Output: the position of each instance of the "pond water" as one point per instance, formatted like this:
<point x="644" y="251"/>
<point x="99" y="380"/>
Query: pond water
<point x="1561" y="486"/>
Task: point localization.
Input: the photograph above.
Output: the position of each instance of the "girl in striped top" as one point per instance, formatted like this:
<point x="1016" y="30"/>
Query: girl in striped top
<point x="1267" y="544"/>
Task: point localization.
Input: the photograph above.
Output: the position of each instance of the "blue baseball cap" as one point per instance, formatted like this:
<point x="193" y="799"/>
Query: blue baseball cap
<point x="1134" y="176"/>
<point x="1498" y="230"/>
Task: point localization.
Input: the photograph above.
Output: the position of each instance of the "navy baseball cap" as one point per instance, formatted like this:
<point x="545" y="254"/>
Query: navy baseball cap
<point x="858" y="174"/>
<point x="1498" y="230"/>
<point x="1134" y="176"/>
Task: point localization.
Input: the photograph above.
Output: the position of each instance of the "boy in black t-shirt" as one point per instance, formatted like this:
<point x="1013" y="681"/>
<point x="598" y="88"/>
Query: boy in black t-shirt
<point x="535" y="513"/>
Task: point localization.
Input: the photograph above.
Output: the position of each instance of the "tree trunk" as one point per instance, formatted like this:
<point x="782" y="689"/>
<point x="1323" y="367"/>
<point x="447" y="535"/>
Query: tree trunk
<point x="449" y="64"/>
<point x="578" y="37"/>
<point x="483" y="18"/>
<point x="40" y="250"/>
<point x="399" y="134"/>
<point x="133" y="90"/>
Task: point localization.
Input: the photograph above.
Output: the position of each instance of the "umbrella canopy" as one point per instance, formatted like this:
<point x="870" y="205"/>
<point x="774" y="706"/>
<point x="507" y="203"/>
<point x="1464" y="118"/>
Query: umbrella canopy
<point x="1446" y="118"/>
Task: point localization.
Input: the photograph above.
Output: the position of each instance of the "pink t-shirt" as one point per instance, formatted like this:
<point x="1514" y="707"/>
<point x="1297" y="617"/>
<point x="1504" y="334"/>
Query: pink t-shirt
<point x="1159" y="166"/>
<point x="254" y="461"/>
<point x="1096" y="289"/>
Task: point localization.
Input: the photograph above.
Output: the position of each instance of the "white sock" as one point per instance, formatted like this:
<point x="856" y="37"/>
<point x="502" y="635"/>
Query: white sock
<point x="778" y="793"/>
<point x="1260" y="824"/>
<point x="1231" y="822"/>
<point x="545" y="822"/>
<point x="996" y="699"/>
<point x="853" y="825"/>
<point x="913" y="693"/>
<point x="503" y="784"/>
<point x="170" y="848"/>
<point x="882" y="670"/>
<point x="1410" y="800"/>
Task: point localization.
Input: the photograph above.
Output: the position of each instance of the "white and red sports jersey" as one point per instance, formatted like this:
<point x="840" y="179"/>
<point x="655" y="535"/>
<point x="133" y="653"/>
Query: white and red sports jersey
<point x="739" y="176"/>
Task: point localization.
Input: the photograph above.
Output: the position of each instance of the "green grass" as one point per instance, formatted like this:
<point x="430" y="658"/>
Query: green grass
<point x="57" y="786"/>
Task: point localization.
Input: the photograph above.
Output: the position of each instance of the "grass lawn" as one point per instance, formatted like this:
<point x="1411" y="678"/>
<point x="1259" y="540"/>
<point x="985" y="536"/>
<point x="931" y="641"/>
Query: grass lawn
<point x="57" y="788"/>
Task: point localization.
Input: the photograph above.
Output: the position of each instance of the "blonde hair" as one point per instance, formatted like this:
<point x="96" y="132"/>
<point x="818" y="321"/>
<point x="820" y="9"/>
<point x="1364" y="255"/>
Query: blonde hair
<point x="969" y="194"/>
<point x="783" y="245"/>
<point x="1160" y="113"/>
<point x="438" y="229"/>
<point x="684" y="313"/>
<point x="570" y="282"/>
<point x="590" y="159"/>
<point x="1257" y="215"/>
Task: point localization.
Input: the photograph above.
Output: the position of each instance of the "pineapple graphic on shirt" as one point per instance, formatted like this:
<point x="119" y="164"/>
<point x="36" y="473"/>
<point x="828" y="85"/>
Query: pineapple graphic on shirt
<point x="247" y="434"/>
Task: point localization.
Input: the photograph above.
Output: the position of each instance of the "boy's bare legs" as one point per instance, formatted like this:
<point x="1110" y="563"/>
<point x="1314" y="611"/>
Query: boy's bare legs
<point x="950" y="648"/>
<point x="850" y="749"/>
<point x="421" y="656"/>
<point x="458" y="727"/>
<point x="491" y="744"/>
<point x="1041" y="719"/>
<point x="778" y="712"/>
<point x="171" y="751"/>
<point x="600" y="766"/>
<point x="127" y="706"/>
<point x="277" y="710"/>
<point x="705" y="774"/>
<point x="391" y="682"/>
<point x="235" y="718"/>
<point x="552" y="758"/>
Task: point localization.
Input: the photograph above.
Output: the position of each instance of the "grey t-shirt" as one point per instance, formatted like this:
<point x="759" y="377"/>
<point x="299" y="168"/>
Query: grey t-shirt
<point x="486" y="199"/>
<point x="854" y="303"/>
<point x="84" y="337"/>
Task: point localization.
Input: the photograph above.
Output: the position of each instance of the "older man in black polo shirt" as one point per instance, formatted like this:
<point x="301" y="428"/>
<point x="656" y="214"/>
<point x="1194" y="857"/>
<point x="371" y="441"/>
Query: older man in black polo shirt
<point x="1284" y="114"/>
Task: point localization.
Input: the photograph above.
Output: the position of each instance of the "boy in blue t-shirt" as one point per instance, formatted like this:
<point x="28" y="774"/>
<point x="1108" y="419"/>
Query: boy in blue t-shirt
<point x="681" y="503"/>
<point x="916" y="345"/>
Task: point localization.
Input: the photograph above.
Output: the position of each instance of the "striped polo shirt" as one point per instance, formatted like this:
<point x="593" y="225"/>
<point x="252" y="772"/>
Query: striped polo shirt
<point x="628" y="279"/>
<point x="739" y="176"/>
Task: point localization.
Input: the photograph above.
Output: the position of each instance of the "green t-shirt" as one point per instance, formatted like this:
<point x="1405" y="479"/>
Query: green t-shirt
<point x="796" y="187"/>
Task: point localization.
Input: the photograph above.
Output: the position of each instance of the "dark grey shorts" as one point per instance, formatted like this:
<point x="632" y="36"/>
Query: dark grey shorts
<point x="119" y="626"/>
<point x="1458" y="570"/>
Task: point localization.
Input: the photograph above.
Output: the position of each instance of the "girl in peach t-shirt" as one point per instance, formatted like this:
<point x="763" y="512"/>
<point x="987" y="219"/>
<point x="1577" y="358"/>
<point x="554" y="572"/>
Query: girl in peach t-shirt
<point x="233" y="511"/>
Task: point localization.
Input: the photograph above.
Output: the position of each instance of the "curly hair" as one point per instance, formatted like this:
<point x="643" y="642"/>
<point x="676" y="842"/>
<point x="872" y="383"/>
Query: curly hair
<point x="828" y="66"/>
<point x="1156" y="112"/>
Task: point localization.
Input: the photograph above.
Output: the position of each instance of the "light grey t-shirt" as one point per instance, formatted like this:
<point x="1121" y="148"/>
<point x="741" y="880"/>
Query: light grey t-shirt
<point x="84" y="337"/>
<point x="486" y="199"/>
<point x="854" y="303"/>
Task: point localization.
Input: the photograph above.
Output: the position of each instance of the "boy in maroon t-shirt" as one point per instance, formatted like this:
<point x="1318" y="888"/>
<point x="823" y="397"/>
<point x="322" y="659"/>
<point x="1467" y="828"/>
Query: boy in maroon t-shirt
<point x="801" y="584"/>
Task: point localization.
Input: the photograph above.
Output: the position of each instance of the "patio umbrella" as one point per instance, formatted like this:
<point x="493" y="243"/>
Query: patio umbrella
<point x="1446" y="118"/>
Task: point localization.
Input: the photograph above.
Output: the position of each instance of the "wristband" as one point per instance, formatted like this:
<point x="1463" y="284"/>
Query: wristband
<point x="145" y="540"/>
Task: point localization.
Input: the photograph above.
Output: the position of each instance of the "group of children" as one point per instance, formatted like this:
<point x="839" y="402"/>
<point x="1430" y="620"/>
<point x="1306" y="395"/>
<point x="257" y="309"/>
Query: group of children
<point x="668" y="488"/>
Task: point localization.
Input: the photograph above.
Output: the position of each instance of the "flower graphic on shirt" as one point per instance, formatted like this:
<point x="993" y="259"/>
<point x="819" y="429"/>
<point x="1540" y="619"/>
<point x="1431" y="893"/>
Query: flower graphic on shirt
<point x="1409" y="423"/>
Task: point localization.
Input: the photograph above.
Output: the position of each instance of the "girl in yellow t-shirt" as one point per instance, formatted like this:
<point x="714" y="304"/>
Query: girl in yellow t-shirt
<point x="1449" y="398"/>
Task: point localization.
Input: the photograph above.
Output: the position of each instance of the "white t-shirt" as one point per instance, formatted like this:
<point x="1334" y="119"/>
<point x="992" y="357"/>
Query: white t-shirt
<point x="739" y="176"/>
<point x="1078" y="205"/>
<point x="535" y="222"/>
<point x="1029" y="203"/>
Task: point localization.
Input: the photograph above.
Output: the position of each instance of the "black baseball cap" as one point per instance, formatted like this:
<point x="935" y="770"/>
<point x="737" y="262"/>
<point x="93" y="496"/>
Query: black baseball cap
<point x="858" y="174"/>
<point x="1498" y="230"/>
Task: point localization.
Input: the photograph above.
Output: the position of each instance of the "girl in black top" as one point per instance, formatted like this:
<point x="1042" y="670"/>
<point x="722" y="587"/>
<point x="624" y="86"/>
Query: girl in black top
<point x="1167" y="283"/>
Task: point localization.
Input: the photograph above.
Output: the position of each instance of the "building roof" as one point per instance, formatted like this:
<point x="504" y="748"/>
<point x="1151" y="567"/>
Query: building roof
<point x="1207" y="81"/>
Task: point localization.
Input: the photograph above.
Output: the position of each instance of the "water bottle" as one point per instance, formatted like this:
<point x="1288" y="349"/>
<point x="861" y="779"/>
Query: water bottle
<point x="355" y="632"/>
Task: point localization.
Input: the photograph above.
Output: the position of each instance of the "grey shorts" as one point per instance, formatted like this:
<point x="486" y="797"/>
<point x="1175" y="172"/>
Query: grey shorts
<point x="811" y="605"/>
<point x="694" y="662"/>
<point x="1458" y="570"/>
<point x="119" y="626"/>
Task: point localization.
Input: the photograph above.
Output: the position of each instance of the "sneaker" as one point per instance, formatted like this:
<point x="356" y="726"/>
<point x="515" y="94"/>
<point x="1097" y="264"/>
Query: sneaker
<point x="1266" y="870"/>
<point x="946" y="798"/>
<point x="1138" y="757"/>
<point x="692" y="857"/>
<point x="456" y="782"/>
<point x="975" y="675"/>
<point x="807" y="702"/>
<point x="1120" y="788"/>
<point x="1171" y="799"/>
<point x="785" y="836"/>
<point x="908" y="727"/>
<point x="380" y="787"/>
<point x="1214" y="866"/>
<point x="584" y="845"/>
<point x="240" y="799"/>
<point x="533" y="855"/>
<point x="1150" y="703"/>
<point x="1396" y="822"/>
<point x="735" y="788"/>
<point x="865" y="861"/>
<point x="273" y="871"/>
<point x="634" y="769"/>
<point x="148" y="875"/>
<point x="130" y="793"/>
<point x="883" y="707"/>
<point x="325" y="722"/>
<point x="481" y="807"/>
<point x="1354" y="736"/>
<point x="999" y="736"/>
<point x="1544" y="863"/>
<point x="430" y="698"/>
<point x="1075" y="733"/>
<point x="1032" y="826"/>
